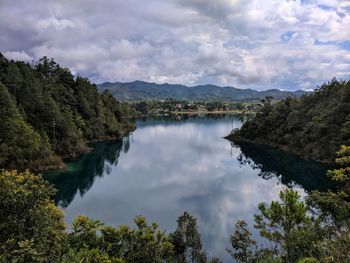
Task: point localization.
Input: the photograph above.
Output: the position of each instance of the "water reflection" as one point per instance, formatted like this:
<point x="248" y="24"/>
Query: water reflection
<point x="193" y="118"/>
<point x="81" y="173"/>
<point x="170" y="166"/>
<point x="289" y="169"/>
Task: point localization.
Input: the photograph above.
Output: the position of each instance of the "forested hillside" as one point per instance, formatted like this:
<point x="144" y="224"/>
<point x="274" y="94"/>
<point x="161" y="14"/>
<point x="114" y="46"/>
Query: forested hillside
<point x="314" y="126"/>
<point x="140" y="90"/>
<point x="46" y="113"/>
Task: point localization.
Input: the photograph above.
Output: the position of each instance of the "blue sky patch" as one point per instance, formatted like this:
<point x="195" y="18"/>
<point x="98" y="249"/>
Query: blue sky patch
<point x="343" y="44"/>
<point x="287" y="36"/>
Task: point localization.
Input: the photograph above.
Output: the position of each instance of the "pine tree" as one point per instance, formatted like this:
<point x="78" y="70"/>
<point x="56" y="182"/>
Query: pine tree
<point x="20" y="144"/>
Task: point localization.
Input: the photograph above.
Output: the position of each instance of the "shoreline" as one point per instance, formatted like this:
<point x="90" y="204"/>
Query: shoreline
<point x="233" y="112"/>
<point x="212" y="112"/>
<point x="61" y="165"/>
<point x="232" y="138"/>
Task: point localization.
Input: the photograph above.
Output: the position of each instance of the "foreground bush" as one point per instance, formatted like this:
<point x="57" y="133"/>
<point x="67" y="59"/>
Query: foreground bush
<point x="32" y="230"/>
<point x="31" y="226"/>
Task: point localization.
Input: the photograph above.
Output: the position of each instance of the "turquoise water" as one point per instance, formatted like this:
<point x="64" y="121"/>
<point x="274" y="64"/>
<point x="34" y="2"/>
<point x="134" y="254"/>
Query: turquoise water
<point x="167" y="167"/>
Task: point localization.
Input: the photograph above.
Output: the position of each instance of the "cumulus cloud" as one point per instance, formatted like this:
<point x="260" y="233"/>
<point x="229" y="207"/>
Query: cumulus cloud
<point x="287" y="44"/>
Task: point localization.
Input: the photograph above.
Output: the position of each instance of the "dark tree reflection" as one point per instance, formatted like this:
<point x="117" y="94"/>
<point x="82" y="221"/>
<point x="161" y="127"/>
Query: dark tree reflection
<point x="81" y="173"/>
<point x="288" y="168"/>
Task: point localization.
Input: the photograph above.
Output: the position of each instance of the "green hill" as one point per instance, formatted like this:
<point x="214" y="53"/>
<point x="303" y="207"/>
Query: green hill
<point x="314" y="126"/>
<point x="139" y="90"/>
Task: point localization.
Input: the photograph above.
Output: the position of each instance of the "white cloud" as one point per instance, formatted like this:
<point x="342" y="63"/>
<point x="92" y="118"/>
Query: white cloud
<point x="18" y="55"/>
<point x="256" y="44"/>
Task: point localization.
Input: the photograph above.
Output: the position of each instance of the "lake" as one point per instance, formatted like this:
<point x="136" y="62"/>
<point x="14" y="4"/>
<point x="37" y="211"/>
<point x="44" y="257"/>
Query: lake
<point x="168" y="166"/>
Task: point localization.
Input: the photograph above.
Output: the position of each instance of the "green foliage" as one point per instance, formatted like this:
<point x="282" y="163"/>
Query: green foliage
<point x="20" y="144"/>
<point x="308" y="260"/>
<point x="314" y="126"/>
<point x="317" y="230"/>
<point x="270" y="259"/>
<point x="280" y="218"/>
<point x="92" y="240"/>
<point x="335" y="205"/>
<point x="333" y="208"/>
<point x="95" y="241"/>
<point x="342" y="174"/>
<point x="26" y="252"/>
<point x="45" y="111"/>
<point x="187" y="241"/>
<point x="243" y="247"/>
<point x="170" y="106"/>
<point x="32" y="230"/>
<point x="144" y="244"/>
<point x="31" y="226"/>
<point x="292" y="233"/>
<point x="288" y="225"/>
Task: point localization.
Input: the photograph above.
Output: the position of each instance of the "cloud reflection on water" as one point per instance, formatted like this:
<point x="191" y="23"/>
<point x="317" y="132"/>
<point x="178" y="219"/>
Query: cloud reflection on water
<point x="172" y="167"/>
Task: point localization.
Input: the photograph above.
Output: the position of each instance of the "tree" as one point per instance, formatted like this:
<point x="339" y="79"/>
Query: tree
<point x="333" y="208"/>
<point x="45" y="112"/>
<point x="20" y="144"/>
<point x="294" y="234"/>
<point x="243" y="247"/>
<point x="288" y="225"/>
<point x="313" y="126"/>
<point x="32" y="230"/>
<point x="31" y="226"/>
<point x="187" y="240"/>
<point x="145" y="244"/>
<point x="342" y="174"/>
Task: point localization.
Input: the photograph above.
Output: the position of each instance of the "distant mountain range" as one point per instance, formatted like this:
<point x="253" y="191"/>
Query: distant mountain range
<point x="140" y="90"/>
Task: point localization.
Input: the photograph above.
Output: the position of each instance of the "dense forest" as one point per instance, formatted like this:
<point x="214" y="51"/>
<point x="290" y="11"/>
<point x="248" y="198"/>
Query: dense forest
<point x="314" y="126"/>
<point x="46" y="113"/>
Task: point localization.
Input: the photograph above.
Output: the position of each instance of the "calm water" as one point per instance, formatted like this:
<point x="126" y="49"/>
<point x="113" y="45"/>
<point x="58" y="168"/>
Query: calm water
<point x="167" y="167"/>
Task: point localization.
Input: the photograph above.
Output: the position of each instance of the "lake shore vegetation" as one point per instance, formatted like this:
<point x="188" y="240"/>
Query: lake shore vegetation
<point x="48" y="114"/>
<point x="313" y="126"/>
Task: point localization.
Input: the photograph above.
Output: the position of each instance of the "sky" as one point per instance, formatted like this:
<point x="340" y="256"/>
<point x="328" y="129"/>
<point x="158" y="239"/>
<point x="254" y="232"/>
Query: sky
<point x="259" y="44"/>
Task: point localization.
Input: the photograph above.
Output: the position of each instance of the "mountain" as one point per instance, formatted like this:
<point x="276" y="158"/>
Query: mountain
<point x="140" y="90"/>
